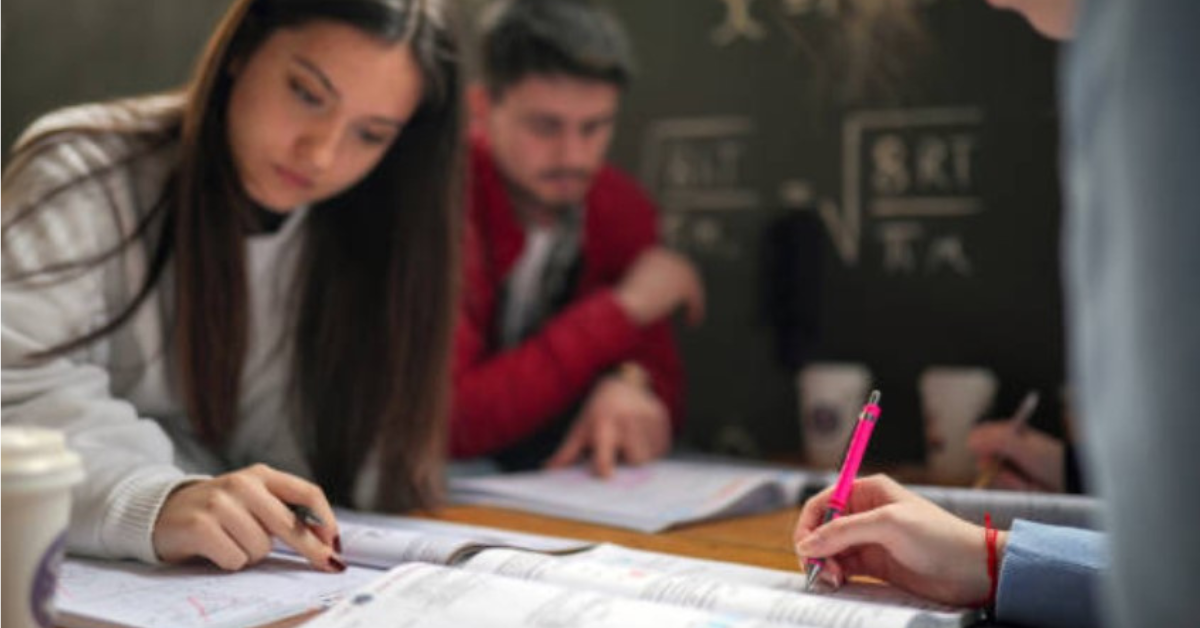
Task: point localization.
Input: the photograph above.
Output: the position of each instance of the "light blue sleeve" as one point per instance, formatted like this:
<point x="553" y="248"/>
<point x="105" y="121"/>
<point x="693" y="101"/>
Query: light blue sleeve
<point x="1049" y="576"/>
<point x="1132" y="140"/>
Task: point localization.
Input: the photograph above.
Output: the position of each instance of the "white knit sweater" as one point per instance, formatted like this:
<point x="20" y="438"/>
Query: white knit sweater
<point x="116" y="399"/>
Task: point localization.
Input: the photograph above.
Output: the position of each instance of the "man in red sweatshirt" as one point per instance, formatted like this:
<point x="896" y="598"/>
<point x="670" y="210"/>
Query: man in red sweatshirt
<point x="564" y="349"/>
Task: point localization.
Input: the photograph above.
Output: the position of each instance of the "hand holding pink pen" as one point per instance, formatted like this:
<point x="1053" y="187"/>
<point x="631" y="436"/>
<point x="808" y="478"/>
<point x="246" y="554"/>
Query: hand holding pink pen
<point x="849" y="470"/>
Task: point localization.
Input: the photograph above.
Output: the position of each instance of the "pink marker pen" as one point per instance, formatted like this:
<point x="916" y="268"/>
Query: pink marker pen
<point x="849" y="471"/>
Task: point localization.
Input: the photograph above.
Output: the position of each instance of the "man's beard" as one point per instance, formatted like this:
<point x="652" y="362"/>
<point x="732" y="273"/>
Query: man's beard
<point x="526" y="197"/>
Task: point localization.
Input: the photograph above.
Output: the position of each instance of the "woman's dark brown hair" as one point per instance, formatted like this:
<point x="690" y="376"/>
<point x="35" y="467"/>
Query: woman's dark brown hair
<point x="377" y="277"/>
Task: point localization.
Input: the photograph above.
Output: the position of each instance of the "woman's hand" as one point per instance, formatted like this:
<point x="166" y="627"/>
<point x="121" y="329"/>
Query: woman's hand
<point x="1031" y="459"/>
<point x="897" y="536"/>
<point x="231" y="520"/>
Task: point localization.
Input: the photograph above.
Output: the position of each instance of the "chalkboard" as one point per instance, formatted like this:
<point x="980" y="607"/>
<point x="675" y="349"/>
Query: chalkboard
<point x="861" y="180"/>
<point x="67" y="52"/>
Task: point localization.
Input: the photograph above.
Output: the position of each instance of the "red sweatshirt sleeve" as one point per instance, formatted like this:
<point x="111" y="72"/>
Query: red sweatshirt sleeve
<point x="630" y="233"/>
<point x="504" y="398"/>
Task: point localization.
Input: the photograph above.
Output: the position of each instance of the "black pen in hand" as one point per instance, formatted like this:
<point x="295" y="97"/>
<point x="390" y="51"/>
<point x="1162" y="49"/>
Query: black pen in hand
<point x="305" y="515"/>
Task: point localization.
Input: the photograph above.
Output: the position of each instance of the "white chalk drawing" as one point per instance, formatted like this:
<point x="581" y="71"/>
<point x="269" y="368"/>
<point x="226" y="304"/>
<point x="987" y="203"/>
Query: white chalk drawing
<point x="843" y="228"/>
<point x="899" y="246"/>
<point x="925" y="207"/>
<point x="699" y="163"/>
<point x="890" y="174"/>
<point x="796" y="194"/>
<point x="703" y="236"/>
<point x="902" y="246"/>
<point x="902" y="170"/>
<point x="739" y="23"/>
<point x="672" y="225"/>
<point x="948" y="251"/>
<point x="909" y="166"/>
<point x="935" y="164"/>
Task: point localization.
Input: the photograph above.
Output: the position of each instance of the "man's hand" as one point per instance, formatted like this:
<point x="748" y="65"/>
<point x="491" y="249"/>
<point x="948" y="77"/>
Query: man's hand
<point x="658" y="283"/>
<point x="620" y="420"/>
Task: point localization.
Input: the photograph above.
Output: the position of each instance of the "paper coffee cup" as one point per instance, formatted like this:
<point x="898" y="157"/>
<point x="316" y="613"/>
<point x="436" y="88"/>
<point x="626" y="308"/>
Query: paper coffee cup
<point x="831" y="395"/>
<point x="37" y="474"/>
<point x="953" y="399"/>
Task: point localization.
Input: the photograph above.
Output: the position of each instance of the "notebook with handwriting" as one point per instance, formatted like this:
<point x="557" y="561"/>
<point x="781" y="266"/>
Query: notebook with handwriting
<point x="94" y="593"/>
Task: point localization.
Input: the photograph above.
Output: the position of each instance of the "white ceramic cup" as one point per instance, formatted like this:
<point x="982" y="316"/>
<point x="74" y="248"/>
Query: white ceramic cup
<point x="37" y="474"/>
<point x="953" y="399"/>
<point x="831" y="396"/>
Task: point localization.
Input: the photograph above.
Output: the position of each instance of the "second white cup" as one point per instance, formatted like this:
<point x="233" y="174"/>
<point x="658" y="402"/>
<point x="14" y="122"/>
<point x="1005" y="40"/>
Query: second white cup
<point x="953" y="399"/>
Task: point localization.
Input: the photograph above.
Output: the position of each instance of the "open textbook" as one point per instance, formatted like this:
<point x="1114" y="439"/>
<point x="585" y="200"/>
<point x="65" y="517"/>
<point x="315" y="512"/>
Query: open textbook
<point x="612" y="586"/>
<point x="451" y="575"/>
<point x="660" y="495"/>
<point x="647" y="498"/>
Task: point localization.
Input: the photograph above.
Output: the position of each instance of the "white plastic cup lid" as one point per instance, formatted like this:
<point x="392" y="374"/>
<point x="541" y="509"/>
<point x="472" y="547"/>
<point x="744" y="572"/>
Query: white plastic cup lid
<point x="33" y="458"/>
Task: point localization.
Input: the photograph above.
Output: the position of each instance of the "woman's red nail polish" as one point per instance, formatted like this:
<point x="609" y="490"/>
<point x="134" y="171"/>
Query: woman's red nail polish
<point x="337" y="544"/>
<point x="336" y="564"/>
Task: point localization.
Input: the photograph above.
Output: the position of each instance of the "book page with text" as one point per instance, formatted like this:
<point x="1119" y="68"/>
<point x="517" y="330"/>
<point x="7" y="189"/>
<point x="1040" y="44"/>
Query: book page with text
<point x="384" y="541"/>
<point x="709" y="593"/>
<point x="94" y="592"/>
<point x="384" y="548"/>
<point x="418" y="595"/>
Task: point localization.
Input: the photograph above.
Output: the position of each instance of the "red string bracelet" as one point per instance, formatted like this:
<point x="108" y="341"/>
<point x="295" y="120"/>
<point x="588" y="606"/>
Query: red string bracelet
<point x="993" y="564"/>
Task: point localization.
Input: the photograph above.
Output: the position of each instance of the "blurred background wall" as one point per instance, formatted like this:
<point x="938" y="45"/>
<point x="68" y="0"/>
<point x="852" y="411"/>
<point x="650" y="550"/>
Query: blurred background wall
<point x="70" y="51"/>
<point x="859" y="180"/>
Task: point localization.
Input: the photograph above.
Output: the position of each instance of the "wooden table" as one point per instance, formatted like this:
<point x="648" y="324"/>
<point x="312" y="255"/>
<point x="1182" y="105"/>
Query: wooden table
<point x="762" y="540"/>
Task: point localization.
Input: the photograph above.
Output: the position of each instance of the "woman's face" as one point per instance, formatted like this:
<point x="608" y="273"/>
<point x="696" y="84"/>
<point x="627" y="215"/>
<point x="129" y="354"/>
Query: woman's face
<point x="314" y="108"/>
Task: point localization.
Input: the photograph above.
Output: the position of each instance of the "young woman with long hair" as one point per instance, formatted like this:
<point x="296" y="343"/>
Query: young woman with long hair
<point x="239" y="298"/>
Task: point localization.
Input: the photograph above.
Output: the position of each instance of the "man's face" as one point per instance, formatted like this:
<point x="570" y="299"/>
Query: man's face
<point x="549" y="135"/>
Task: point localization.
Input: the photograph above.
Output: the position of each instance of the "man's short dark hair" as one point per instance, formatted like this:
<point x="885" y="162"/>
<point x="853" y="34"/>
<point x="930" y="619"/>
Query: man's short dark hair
<point x="575" y="38"/>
